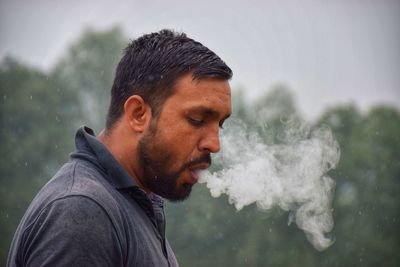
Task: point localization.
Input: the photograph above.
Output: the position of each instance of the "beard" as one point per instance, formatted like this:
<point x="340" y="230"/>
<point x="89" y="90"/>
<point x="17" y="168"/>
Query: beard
<point x="155" y="158"/>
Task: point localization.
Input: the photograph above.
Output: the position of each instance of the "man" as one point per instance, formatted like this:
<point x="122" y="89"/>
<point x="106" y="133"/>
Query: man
<point x="104" y="207"/>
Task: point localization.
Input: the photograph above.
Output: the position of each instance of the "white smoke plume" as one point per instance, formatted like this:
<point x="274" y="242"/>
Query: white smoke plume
<point x="291" y="175"/>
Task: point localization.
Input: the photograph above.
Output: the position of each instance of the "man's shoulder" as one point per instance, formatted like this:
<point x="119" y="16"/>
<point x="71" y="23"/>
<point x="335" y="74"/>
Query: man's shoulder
<point x="80" y="179"/>
<point x="76" y="205"/>
<point x="77" y="177"/>
<point x="85" y="179"/>
<point x="75" y="224"/>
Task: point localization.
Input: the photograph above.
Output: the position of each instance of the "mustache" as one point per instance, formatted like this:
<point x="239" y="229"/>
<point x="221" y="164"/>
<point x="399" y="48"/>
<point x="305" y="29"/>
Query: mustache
<point x="205" y="158"/>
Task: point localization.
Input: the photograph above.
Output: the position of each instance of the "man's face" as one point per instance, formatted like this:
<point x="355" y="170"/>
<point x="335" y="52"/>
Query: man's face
<point x="180" y="139"/>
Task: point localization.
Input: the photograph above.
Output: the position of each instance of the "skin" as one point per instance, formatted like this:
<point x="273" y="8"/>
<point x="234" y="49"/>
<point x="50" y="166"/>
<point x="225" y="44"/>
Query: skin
<point x="177" y="141"/>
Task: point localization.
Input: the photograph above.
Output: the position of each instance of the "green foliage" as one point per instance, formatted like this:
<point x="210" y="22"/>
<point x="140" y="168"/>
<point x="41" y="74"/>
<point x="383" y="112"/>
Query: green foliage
<point x="40" y="112"/>
<point x="367" y="202"/>
<point x="36" y="122"/>
<point x="39" y="116"/>
<point x="88" y="69"/>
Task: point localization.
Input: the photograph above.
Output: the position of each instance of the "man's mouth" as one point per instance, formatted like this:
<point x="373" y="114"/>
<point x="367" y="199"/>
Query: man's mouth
<point x="195" y="170"/>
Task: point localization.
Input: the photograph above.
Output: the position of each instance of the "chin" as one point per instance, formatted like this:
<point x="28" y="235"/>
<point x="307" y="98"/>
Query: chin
<point x="181" y="193"/>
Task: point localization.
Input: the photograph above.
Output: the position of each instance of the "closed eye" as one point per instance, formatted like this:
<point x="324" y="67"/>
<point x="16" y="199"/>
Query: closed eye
<point x="195" y="122"/>
<point x="200" y="122"/>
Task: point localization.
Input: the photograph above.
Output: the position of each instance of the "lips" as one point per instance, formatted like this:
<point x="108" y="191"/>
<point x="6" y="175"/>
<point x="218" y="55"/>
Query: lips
<point x="195" y="169"/>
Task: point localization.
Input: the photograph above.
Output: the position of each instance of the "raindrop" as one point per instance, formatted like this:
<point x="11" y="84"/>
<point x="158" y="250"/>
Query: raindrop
<point x="31" y="97"/>
<point x="5" y="97"/>
<point x="26" y="164"/>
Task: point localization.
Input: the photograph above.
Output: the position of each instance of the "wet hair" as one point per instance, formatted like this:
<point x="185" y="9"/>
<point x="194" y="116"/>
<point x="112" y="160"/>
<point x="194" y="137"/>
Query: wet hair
<point x="152" y="63"/>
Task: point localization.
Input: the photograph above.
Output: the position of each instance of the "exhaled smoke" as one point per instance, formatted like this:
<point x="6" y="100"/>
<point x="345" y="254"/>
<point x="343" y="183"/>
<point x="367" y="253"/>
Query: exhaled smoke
<point x="291" y="175"/>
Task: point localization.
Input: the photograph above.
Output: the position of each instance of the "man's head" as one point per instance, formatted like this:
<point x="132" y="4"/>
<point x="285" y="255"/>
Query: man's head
<point x="169" y="98"/>
<point x="152" y="64"/>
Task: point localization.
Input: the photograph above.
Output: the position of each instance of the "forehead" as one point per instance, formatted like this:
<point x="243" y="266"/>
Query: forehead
<point x="206" y="93"/>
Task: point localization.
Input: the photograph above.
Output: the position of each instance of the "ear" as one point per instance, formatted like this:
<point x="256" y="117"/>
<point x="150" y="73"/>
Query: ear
<point x="137" y="113"/>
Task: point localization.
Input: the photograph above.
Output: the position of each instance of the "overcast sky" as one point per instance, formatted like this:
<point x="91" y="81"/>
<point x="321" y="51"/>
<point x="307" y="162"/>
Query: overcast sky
<point x="326" y="52"/>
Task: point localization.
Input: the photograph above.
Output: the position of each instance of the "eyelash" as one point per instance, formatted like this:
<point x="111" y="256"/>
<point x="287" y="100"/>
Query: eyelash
<point x="195" y="122"/>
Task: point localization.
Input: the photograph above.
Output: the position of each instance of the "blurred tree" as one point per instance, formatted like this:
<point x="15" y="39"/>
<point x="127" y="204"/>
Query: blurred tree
<point x="37" y="119"/>
<point x="367" y="203"/>
<point x="88" y="69"/>
<point x="40" y="114"/>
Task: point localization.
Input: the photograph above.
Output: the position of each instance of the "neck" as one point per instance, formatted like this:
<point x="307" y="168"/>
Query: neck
<point x="124" y="152"/>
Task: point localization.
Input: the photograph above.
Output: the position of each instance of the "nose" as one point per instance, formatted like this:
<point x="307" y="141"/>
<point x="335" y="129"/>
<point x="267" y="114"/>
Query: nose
<point x="210" y="142"/>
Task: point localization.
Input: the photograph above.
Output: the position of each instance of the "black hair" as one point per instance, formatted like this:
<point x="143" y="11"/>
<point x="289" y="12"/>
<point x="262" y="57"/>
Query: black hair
<point x="153" y="62"/>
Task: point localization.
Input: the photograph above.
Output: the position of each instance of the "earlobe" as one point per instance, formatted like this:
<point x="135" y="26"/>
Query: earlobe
<point x="137" y="113"/>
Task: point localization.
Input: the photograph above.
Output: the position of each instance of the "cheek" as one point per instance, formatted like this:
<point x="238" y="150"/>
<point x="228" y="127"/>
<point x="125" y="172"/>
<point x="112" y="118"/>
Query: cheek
<point x="179" y="137"/>
<point x="177" y="132"/>
<point x="184" y="146"/>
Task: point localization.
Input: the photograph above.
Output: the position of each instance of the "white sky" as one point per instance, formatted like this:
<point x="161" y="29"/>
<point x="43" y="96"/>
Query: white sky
<point x="327" y="52"/>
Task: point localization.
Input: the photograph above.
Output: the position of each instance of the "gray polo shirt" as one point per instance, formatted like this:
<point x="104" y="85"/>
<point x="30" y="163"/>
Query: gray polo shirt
<point x="91" y="213"/>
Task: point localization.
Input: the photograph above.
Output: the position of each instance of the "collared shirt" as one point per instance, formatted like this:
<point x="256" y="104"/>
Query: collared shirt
<point x="91" y="213"/>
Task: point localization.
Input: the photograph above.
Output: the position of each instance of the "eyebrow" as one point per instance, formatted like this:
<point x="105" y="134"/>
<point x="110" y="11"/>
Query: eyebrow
<point x="209" y="112"/>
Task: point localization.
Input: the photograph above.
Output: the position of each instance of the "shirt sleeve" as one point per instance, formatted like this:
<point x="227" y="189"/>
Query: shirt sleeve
<point x="72" y="231"/>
